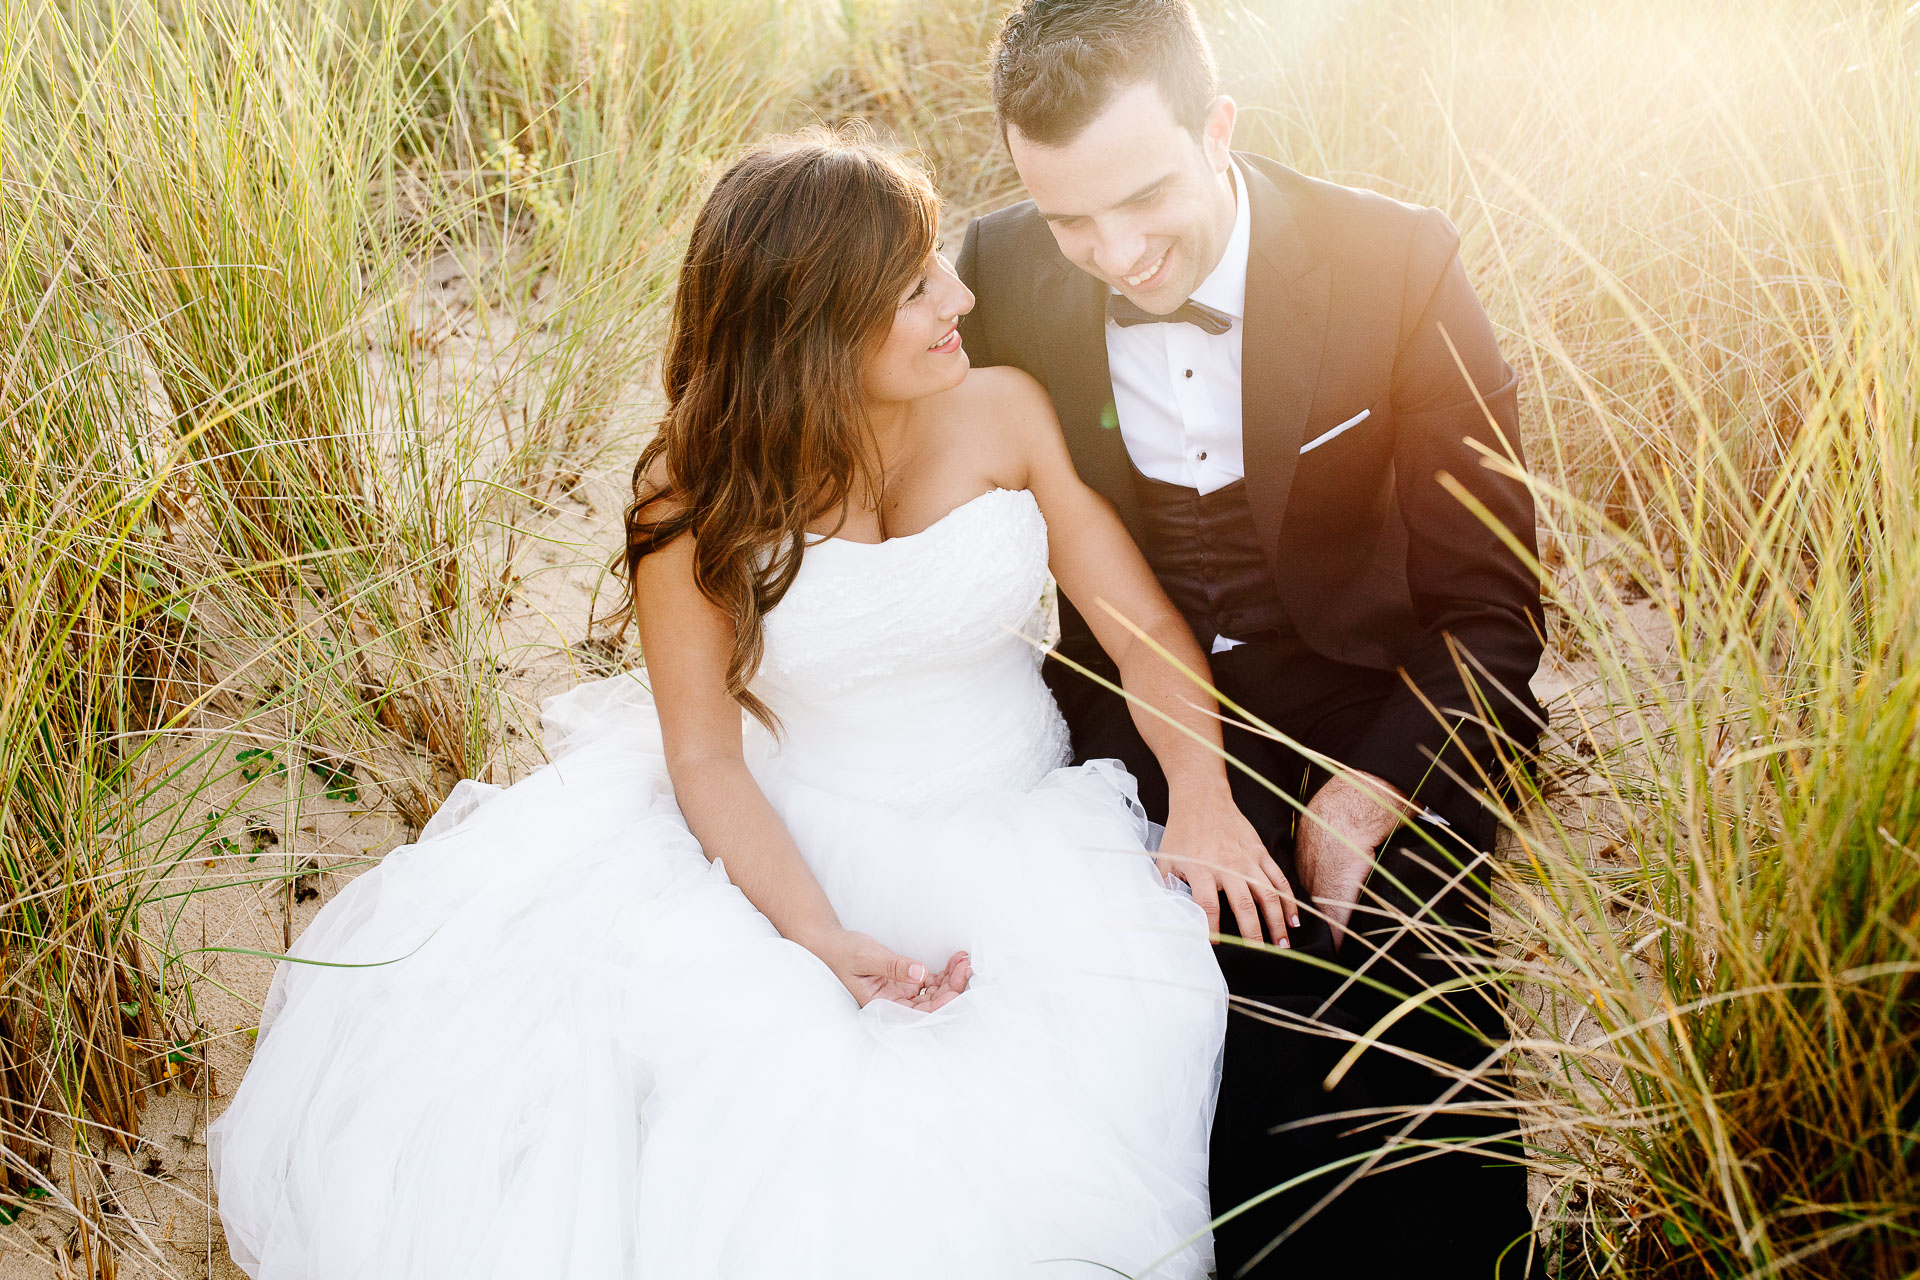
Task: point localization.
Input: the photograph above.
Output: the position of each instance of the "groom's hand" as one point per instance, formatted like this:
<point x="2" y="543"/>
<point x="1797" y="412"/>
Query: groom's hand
<point x="1212" y="846"/>
<point x="1344" y="823"/>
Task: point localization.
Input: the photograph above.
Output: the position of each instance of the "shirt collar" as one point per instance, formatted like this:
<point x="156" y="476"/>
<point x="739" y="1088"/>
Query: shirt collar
<point x="1225" y="289"/>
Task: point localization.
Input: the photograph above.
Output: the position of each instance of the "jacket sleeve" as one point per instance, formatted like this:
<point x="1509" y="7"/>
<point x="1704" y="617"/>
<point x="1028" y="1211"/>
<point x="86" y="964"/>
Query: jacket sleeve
<point x="975" y="326"/>
<point x="1477" y="602"/>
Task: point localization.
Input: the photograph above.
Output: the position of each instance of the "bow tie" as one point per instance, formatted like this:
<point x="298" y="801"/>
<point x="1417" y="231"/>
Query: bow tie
<point x="1124" y="313"/>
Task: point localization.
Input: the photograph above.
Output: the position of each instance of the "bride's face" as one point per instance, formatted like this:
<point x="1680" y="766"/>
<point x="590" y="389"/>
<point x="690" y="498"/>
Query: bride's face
<point x="921" y="355"/>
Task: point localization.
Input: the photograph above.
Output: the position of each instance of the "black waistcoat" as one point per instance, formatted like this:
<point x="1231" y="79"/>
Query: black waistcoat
<point x="1205" y="550"/>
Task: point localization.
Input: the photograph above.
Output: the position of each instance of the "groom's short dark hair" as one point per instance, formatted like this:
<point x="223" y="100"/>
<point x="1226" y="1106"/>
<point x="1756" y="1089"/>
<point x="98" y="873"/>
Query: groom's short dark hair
<point x="1058" y="63"/>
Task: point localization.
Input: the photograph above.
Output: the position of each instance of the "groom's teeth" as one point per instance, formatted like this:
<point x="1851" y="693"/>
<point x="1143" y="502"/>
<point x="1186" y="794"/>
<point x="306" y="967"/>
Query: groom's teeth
<point x="1146" y="275"/>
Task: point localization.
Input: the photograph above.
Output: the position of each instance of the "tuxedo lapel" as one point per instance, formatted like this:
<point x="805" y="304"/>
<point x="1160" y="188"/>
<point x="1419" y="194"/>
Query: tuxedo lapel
<point x="1076" y="375"/>
<point x="1287" y="298"/>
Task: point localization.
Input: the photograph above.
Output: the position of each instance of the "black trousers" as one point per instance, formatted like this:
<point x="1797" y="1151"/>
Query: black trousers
<point x="1432" y="1205"/>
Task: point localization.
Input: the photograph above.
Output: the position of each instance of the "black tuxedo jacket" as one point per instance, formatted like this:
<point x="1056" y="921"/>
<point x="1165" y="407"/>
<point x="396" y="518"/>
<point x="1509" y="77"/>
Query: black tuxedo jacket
<point x="1355" y="302"/>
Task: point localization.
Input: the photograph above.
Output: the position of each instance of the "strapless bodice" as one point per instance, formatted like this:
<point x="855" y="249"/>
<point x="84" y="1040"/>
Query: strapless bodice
<point x="909" y="668"/>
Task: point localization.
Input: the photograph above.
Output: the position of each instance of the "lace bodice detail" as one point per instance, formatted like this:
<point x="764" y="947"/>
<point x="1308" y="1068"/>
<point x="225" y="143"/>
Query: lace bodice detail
<point x="859" y="610"/>
<point x="906" y="663"/>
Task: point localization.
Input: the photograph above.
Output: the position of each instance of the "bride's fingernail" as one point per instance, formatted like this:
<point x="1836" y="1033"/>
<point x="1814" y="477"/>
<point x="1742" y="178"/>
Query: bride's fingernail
<point x="1286" y="942"/>
<point x="917" y="973"/>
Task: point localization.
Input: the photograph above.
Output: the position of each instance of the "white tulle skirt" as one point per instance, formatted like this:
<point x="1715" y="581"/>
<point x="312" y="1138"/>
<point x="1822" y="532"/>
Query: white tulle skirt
<point x="591" y="1057"/>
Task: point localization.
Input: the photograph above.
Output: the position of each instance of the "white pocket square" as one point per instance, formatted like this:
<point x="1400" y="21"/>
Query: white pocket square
<point x="1325" y="436"/>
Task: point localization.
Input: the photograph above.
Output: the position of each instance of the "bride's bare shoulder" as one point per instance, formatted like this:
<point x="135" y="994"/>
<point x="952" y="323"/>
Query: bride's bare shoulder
<point x="1002" y="387"/>
<point x="655" y="528"/>
<point x="1004" y="401"/>
<point x="1003" y="419"/>
<point x="653" y="492"/>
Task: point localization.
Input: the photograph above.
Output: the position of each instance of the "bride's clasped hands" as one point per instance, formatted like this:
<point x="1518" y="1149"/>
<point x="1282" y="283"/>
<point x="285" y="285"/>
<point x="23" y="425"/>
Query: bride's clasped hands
<point x="871" y="971"/>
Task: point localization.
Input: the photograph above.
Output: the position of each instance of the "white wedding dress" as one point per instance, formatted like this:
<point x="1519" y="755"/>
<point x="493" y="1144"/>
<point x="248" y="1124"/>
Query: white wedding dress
<point x="596" y="1060"/>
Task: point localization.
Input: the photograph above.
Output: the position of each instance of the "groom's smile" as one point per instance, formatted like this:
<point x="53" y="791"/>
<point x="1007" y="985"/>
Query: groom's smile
<point x="1136" y="199"/>
<point x="1142" y="280"/>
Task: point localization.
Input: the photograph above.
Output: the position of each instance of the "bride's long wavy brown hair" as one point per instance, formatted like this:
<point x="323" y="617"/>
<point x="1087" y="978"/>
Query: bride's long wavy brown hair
<point x="796" y="265"/>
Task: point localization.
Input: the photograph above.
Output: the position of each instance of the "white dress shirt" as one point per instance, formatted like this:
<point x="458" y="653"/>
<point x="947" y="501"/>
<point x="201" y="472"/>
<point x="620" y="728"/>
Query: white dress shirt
<point x="1176" y="387"/>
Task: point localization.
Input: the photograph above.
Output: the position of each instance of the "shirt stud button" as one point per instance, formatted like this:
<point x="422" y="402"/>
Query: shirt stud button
<point x="1189" y="373"/>
<point x="1202" y="455"/>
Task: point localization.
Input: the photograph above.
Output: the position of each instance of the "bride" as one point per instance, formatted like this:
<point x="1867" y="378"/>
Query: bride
<point x="807" y="955"/>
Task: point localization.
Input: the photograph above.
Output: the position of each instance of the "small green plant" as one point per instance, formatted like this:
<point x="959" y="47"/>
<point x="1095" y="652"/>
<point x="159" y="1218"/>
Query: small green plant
<point x="258" y="762"/>
<point x="337" y="777"/>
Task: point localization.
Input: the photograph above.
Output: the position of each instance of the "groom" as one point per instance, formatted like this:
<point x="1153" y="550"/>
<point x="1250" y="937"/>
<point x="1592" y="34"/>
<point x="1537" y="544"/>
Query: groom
<point x="1284" y="386"/>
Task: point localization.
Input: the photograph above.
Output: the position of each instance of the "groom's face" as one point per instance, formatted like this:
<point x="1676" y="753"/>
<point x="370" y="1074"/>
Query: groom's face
<point x="1135" y="199"/>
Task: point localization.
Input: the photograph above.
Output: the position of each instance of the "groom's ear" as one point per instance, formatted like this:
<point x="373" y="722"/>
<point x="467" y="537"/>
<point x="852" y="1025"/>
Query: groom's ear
<point x="1216" y="136"/>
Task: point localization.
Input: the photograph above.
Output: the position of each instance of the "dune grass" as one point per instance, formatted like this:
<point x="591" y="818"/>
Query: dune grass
<point x="256" y="521"/>
<point x="250" y="504"/>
